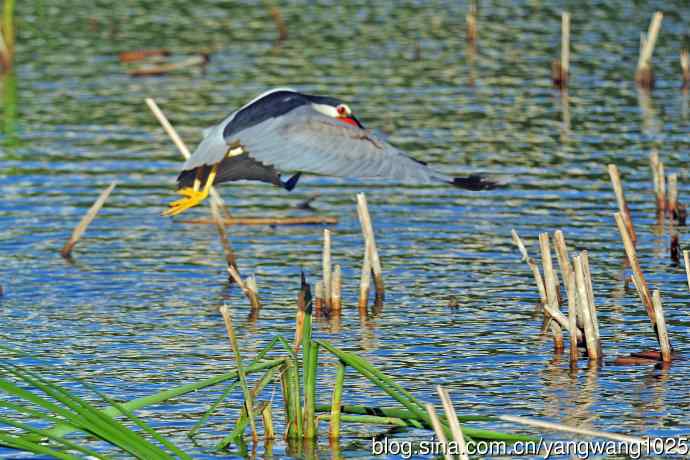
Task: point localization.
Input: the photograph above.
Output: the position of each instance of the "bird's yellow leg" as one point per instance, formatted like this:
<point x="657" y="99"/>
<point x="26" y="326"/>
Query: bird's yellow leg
<point x="192" y="195"/>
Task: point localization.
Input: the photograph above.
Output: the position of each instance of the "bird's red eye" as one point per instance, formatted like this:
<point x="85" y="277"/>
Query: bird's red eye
<point x="341" y="110"/>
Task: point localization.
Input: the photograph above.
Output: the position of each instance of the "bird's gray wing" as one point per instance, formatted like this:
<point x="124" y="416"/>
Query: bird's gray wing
<point x="212" y="148"/>
<point x="306" y="140"/>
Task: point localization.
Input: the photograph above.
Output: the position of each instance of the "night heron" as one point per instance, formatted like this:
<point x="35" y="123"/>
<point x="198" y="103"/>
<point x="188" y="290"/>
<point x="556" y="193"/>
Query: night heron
<point x="284" y="130"/>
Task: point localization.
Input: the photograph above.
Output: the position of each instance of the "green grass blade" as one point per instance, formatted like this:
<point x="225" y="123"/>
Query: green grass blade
<point x="69" y="445"/>
<point x="311" y="365"/>
<point x="157" y="398"/>
<point x="20" y="443"/>
<point x="204" y="418"/>
<point x="336" y="401"/>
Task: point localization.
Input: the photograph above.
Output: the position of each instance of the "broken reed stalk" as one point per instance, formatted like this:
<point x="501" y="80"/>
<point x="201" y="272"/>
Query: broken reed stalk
<point x="336" y="287"/>
<point x="326" y="267"/>
<point x="471" y="19"/>
<point x="552" y="287"/>
<point x="370" y="247"/>
<point x="248" y="400"/>
<point x="584" y="309"/>
<point x="302" y="220"/>
<point x="532" y="265"/>
<point x="664" y="342"/>
<point x="250" y="293"/>
<point x="672" y="194"/>
<point x="685" y="68"/>
<point x="364" y="283"/>
<point x="438" y="429"/>
<point x="560" y="70"/>
<point x="304" y="307"/>
<point x="620" y="199"/>
<point x="686" y="259"/>
<point x="644" y="76"/>
<point x="318" y="297"/>
<point x="280" y="25"/>
<point x="182" y="147"/>
<point x="584" y="259"/>
<point x="572" y="316"/>
<point x="640" y="282"/>
<point x="199" y="60"/>
<point x="657" y="167"/>
<point x="453" y="422"/>
<point x="81" y="227"/>
<point x="224" y="241"/>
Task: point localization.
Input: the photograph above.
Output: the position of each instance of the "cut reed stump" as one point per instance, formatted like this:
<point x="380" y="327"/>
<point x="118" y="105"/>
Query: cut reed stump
<point x="326" y="267"/>
<point x="677" y="210"/>
<point x="560" y="70"/>
<point x="620" y="199"/>
<point x="336" y="287"/>
<point x="552" y="291"/>
<point x="471" y="20"/>
<point x="304" y="307"/>
<point x="370" y="248"/>
<point x="644" y="76"/>
<point x="90" y="215"/>
<point x="279" y="22"/>
<point x="659" y="178"/>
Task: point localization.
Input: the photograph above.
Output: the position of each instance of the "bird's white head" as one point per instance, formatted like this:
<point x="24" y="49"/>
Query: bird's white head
<point x="337" y="110"/>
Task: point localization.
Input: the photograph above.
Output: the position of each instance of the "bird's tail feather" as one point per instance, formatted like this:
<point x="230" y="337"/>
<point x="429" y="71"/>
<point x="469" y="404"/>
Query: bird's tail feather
<point x="473" y="182"/>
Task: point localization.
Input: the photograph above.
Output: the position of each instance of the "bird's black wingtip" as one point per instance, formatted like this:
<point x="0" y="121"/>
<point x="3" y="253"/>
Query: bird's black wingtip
<point x="474" y="182"/>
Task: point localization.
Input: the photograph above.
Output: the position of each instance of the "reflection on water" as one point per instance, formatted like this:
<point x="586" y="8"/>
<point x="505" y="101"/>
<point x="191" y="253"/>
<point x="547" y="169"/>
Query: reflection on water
<point x="137" y="311"/>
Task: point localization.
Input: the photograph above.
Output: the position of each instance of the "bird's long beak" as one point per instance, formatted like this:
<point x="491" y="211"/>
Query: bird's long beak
<point x="356" y="121"/>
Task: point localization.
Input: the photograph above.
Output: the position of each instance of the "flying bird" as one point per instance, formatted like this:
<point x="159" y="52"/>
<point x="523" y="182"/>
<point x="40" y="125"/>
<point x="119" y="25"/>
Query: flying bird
<point x="284" y="130"/>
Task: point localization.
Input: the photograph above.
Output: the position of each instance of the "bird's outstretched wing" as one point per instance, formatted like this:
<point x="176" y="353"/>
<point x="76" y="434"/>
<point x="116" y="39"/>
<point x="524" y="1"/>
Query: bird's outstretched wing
<point x="308" y="141"/>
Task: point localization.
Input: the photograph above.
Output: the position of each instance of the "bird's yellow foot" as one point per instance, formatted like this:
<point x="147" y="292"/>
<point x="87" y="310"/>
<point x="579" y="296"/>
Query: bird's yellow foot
<point x="191" y="198"/>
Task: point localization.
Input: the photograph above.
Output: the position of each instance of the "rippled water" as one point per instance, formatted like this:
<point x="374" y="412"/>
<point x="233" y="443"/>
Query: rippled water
<point x="136" y="312"/>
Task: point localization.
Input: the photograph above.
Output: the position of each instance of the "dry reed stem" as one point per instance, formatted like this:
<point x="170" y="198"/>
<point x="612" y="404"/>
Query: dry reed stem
<point x="81" y="227"/>
<point x="640" y="283"/>
<point x="551" y="284"/>
<point x="364" y="284"/>
<point x="686" y="258"/>
<point x="643" y="75"/>
<point x="620" y="199"/>
<point x="575" y="430"/>
<point x="251" y="295"/>
<point x="558" y="343"/>
<point x="584" y="259"/>
<point x="305" y="220"/>
<point x="452" y="418"/>
<point x="672" y="194"/>
<point x="250" y="282"/>
<point x="326" y="267"/>
<point x="248" y="403"/>
<point x="438" y="429"/>
<point x="471" y="19"/>
<point x="318" y="297"/>
<point x="280" y="25"/>
<point x="572" y="316"/>
<point x="565" y="44"/>
<point x="140" y="55"/>
<point x="303" y="305"/>
<point x="685" y="68"/>
<point x="336" y="286"/>
<point x="161" y="69"/>
<point x="370" y="244"/>
<point x="664" y="342"/>
<point x="532" y="265"/>
<point x="659" y="179"/>
<point x="585" y="311"/>
<point x="267" y="418"/>
<point x="224" y="241"/>
<point x="182" y="147"/>
<point x="560" y="70"/>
